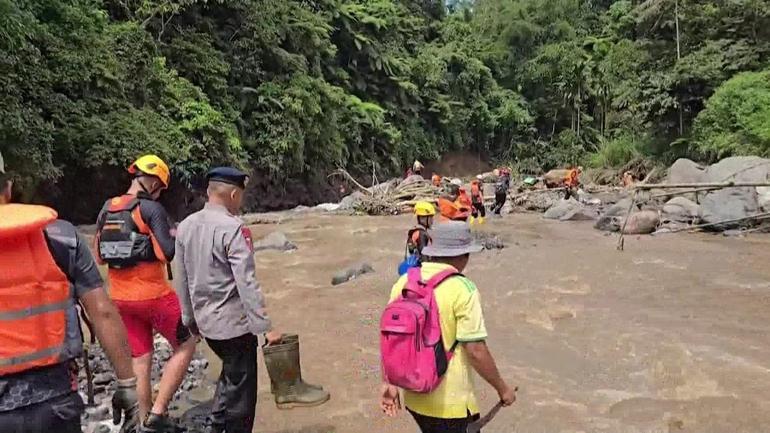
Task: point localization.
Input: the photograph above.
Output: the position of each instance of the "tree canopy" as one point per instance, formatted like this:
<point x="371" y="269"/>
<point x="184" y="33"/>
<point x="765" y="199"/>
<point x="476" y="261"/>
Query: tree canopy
<point x="293" y="88"/>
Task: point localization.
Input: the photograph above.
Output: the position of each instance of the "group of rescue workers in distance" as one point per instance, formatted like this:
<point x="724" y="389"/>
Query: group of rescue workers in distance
<point x="455" y="204"/>
<point x="49" y="281"/>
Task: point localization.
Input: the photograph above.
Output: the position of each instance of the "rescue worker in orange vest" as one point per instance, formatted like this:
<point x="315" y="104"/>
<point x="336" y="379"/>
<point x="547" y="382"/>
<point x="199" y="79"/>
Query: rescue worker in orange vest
<point x="449" y="206"/>
<point x="417" y="238"/>
<point x="134" y="237"/>
<point x="572" y="182"/>
<point x="478" y="212"/>
<point x="46" y="269"/>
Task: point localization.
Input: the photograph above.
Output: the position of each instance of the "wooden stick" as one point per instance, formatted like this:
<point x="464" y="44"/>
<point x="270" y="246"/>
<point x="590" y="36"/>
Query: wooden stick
<point x="701" y="185"/>
<point x="347" y="175"/>
<point x="621" y="239"/>
<point x="686" y="191"/>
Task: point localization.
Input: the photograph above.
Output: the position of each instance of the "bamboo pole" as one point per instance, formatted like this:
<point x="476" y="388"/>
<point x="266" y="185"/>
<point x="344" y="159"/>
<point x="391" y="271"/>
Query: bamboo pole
<point x="621" y="240"/>
<point x="702" y="185"/>
<point x="760" y="216"/>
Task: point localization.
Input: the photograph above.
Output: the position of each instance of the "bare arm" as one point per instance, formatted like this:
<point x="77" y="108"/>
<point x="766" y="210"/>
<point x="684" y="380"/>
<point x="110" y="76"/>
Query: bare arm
<point x="484" y="364"/>
<point x="109" y="330"/>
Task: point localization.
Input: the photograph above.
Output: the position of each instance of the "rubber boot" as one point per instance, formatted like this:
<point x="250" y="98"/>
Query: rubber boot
<point x="283" y="367"/>
<point x="472" y="220"/>
<point x="290" y="338"/>
<point x="155" y="423"/>
<point x="481" y="220"/>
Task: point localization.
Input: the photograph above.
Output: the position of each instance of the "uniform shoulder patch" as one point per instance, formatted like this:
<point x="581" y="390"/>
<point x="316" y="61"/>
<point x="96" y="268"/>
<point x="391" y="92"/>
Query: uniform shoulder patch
<point x="469" y="285"/>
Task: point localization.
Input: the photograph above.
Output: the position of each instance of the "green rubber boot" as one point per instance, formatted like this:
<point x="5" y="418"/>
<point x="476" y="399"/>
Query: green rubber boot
<point x="283" y="367"/>
<point x="290" y="338"/>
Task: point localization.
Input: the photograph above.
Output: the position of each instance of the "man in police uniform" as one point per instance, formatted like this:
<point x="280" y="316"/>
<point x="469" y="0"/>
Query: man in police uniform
<point x="221" y="298"/>
<point x="38" y="393"/>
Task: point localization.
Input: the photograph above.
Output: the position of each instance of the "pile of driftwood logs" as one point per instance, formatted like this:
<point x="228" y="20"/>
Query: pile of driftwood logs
<point x="392" y="197"/>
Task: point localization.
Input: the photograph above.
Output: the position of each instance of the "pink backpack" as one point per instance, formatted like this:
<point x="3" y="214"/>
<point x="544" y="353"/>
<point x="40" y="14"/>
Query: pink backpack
<point x="411" y="348"/>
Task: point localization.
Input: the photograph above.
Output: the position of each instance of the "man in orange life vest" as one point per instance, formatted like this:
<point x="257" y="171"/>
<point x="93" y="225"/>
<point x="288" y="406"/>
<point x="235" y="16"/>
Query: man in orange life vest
<point x="572" y="182"/>
<point x="135" y="239"/>
<point x="450" y="206"/>
<point x="479" y="212"/>
<point x="46" y="269"/>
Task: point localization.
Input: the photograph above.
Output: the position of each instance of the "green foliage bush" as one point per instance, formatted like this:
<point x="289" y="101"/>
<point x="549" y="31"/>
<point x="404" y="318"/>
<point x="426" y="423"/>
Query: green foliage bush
<point x="736" y="120"/>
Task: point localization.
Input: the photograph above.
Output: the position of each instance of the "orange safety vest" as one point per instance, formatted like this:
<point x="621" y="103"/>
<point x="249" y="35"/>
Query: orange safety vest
<point x="452" y="211"/>
<point x="476" y="191"/>
<point x="571" y="180"/>
<point x="463" y="201"/>
<point x="145" y="280"/>
<point x="34" y="292"/>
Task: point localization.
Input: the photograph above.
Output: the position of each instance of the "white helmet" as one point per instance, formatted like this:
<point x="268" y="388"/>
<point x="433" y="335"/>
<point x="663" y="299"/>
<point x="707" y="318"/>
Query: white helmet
<point x="457" y="181"/>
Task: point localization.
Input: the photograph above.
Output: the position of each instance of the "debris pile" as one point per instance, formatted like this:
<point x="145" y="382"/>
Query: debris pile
<point x="391" y="197"/>
<point x="98" y="417"/>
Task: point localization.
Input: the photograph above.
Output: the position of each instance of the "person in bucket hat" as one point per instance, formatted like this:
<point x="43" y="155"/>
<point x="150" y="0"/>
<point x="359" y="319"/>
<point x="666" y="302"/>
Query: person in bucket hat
<point x="452" y="406"/>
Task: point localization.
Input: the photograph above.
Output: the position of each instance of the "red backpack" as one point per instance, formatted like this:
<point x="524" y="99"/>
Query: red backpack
<point x="411" y="347"/>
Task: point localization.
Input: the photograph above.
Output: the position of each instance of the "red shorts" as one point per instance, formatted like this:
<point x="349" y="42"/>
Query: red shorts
<point x="142" y="318"/>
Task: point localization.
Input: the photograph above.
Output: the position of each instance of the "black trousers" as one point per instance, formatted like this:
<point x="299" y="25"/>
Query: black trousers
<point x="429" y="424"/>
<point x="500" y="198"/>
<point x="479" y="210"/>
<point x="60" y="415"/>
<point x="235" y="399"/>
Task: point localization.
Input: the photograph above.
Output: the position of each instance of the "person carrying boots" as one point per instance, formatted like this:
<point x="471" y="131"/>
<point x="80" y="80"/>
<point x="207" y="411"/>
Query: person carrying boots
<point x="452" y="406"/>
<point x="46" y="269"/>
<point x="285" y="370"/>
<point x="479" y="212"/>
<point x="134" y="238"/>
<point x="222" y="301"/>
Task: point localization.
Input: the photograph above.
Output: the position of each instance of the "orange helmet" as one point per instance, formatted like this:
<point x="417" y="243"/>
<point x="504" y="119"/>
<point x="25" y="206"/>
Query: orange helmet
<point x="151" y="165"/>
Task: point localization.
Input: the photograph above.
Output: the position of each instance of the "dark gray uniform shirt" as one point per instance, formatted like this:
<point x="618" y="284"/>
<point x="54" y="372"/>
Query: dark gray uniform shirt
<point x="215" y="278"/>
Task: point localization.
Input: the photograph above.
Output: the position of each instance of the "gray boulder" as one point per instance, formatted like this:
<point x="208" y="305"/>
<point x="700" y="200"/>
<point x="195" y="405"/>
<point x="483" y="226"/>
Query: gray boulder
<point x="739" y="169"/>
<point x="681" y="209"/>
<point x="274" y="241"/>
<point x="608" y="223"/>
<point x="618" y="209"/>
<point x="351" y="273"/>
<point x="686" y="171"/>
<point x="562" y="209"/>
<point x="350" y="201"/>
<point x="735" y="203"/>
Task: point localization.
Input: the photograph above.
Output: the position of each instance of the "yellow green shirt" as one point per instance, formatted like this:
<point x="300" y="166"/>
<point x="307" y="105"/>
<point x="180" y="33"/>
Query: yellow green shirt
<point x="461" y="320"/>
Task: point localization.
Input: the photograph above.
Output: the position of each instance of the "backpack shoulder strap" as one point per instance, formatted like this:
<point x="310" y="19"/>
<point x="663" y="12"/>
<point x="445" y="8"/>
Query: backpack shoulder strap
<point x="442" y="276"/>
<point x="124" y="202"/>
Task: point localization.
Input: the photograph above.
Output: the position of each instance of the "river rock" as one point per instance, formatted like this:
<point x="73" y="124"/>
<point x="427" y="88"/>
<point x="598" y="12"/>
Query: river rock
<point x="570" y="210"/>
<point x="350" y="201"/>
<point x="642" y="222"/>
<point x="328" y="207"/>
<point x="681" y="209"/>
<point x="490" y="241"/>
<point x="274" y="241"/>
<point x="734" y="203"/>
<point x="608" y="223"/>
<point x="351" y="273"/>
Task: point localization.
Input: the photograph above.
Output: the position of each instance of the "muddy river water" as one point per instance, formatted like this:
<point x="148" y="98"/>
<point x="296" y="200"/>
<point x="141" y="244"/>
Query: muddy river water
<point x="671" y="335"/>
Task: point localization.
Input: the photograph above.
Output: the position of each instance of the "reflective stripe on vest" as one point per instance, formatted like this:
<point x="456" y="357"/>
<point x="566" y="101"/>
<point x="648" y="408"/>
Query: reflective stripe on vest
<point x="34" y="293"/>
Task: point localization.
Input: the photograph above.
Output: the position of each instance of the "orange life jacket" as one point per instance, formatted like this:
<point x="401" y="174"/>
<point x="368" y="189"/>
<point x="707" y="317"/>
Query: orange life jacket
<point x="463" y="200"/>
<point x="571" y="180"/>
<point x="147" y="278"/>
<point x="413" y="239"/>
<point x="34" y="292"/>
<point x="476" y="194"/>
<point x="452" y="211"/>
